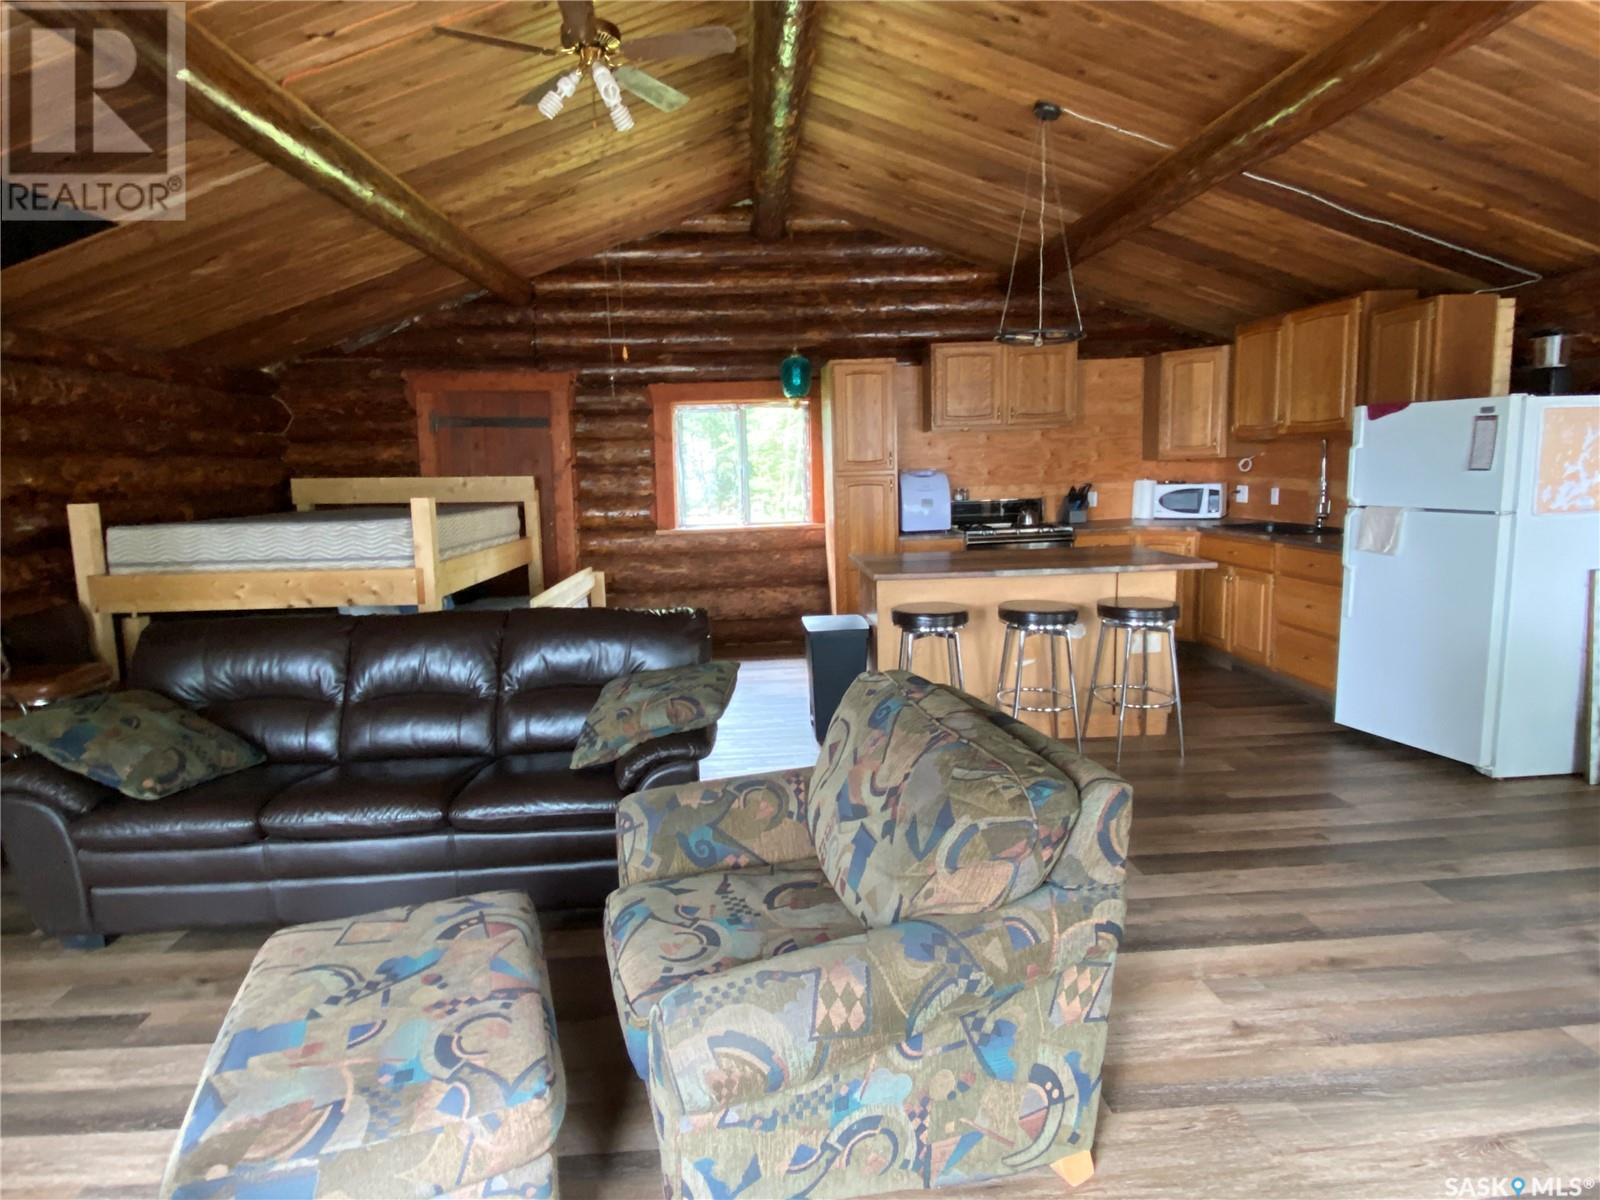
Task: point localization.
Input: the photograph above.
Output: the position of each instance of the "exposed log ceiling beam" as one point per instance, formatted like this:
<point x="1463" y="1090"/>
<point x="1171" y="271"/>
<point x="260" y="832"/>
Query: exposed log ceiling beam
<point x="1397" y="43"/>
<point x="782" y="48"/>
<point x="235" y="98"/>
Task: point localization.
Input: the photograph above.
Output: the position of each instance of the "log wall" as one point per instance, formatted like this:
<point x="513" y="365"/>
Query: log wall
<point x="152" y="438"/>
<point x="706" y="302"/>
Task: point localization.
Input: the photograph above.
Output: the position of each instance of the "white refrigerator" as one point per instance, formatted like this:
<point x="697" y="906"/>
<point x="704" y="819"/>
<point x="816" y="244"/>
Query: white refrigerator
<point x="1470" y="549"/>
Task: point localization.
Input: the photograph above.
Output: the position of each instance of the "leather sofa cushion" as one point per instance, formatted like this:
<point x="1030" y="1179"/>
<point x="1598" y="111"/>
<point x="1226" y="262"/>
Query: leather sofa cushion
<point x="370" y="799"/>
<point x="422" y="686"/>
<point x="550" y="664"/>
<point x="222" y="812"/>
<point x="275" y="681"/>
<point x="537" y="791"/>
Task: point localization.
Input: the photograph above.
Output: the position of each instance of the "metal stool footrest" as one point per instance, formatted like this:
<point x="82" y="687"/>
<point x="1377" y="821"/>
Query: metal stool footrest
<point x="1006" y="698"/>
<point x="1106" y="693"/>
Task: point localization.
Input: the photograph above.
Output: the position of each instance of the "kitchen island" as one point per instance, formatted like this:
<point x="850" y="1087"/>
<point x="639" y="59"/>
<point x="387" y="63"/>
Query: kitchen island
<point x="982" y="580"/>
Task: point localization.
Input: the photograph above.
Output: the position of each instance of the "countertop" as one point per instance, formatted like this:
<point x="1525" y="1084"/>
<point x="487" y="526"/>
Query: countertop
<point x="1331" y="540"/>
<point x="973" y="564"/>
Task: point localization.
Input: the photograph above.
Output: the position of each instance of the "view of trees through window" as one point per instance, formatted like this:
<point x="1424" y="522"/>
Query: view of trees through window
<point x="742" y="464"/>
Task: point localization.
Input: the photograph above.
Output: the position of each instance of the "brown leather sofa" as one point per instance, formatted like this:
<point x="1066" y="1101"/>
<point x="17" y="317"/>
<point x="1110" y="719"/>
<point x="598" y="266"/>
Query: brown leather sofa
<point x="409" y="758"/>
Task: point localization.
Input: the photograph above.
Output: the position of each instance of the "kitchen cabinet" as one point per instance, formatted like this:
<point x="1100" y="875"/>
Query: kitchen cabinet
<point x="1236" y="597"/>
<point x="930" y="545"/>
<point x="1442" y="348"/>
<point x="859" y="446"/>
<point x="1250" y="614"/>
<point x="1186" y="403"/>
<point x="1304" y="371"/>
<point x="1041" y="384"/>
<point x="1257" y="384"/>
<point x="1307" y="585"/>
<point x="1174" y="542"/>
<point x="986" y="385"/>
<point x="859" y="414"/>
<point x="1211" y="623"/>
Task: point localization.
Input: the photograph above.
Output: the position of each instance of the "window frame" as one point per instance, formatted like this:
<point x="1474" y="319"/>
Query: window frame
<point x="665" y="398"/>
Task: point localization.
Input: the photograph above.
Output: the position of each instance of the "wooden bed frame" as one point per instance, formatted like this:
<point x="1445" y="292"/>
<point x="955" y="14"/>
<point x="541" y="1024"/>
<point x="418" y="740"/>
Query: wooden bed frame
<point x="106" y="597"/>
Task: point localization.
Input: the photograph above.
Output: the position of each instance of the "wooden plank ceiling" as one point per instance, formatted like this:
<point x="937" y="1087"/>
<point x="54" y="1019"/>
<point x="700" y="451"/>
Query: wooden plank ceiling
<point x="917" y="124"/>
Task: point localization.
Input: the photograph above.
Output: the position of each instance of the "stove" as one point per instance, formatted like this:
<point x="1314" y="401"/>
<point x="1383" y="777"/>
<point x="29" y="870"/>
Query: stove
<point x="1026" y="537"/>
<point x="1007" y="525"/>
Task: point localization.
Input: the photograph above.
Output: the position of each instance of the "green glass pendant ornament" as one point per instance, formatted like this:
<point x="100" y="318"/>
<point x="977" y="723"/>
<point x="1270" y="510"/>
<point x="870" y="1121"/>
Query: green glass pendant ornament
<point x="795" y="374"/>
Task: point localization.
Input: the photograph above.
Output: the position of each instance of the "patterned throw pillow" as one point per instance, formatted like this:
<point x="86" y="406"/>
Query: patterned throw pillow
<point x="925" y="801"/>
<point x="638" y="708"/>
<point x="140" y="743"/>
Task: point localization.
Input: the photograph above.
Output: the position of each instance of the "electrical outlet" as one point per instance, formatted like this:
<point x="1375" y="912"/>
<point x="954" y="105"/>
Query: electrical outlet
<point x="1241" y="493"/>
<point x="1272" y="496"/>
<point x="1094" y="498"/>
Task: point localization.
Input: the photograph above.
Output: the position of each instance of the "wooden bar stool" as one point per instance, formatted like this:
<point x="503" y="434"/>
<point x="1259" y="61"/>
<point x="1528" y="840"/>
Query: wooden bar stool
<point x="932" y="618"/>
<point x="1143" y="615"/>
<point x="1052" y="620"/>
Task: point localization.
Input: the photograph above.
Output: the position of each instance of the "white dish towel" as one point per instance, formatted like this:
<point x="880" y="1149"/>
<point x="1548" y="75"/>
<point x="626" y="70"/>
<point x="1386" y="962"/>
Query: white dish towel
<point x="1378" y="531"/>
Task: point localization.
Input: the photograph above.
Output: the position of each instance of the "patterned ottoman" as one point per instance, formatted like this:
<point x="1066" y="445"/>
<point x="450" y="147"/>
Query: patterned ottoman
<point x="410" y="1052"/>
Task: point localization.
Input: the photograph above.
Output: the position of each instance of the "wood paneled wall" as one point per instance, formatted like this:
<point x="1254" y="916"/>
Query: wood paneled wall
<point x="150" y="437"/>
<point x="706" y="302"/>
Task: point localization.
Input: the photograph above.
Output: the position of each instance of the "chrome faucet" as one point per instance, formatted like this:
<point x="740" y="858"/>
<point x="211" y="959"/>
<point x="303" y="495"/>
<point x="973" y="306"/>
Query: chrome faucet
<point x="1324" y="505"/>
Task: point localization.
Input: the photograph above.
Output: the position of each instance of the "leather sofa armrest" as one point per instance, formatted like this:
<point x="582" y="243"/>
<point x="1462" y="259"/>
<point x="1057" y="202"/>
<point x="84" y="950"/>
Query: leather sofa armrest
<point x="918" y="983"/>
<point x="646" y="764"/>
<point x="746" y="821"/>
<point x="36" y="778"/>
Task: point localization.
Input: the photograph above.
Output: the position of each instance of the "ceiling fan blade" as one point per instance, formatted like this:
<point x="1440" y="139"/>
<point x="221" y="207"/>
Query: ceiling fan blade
<point x="684" y="43"/>
<point x="490" y="39"/>
<point x="538" y="93"/>
<point x="650" y="89"/>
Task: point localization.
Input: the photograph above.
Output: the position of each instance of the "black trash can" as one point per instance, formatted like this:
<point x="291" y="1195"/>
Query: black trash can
<point x="836" y="652"/>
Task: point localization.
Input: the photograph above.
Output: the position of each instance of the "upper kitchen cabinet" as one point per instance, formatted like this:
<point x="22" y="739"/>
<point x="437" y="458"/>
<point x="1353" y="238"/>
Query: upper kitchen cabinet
<point x="859" y="414"/>
<point x="1442" y="348"/>
<point x="1186" y="403"/>
<point x="1041" y="384"/>
<point x="968" y="385"/>
<point x="1257" y="380"/>
<point x="1302" y="372"/>
<point x="987" y="385"/>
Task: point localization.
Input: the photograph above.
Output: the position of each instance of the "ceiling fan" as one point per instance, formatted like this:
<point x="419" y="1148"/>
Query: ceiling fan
<point x="598" y="47"/>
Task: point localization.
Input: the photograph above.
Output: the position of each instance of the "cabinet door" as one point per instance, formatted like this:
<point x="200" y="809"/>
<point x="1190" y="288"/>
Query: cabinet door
<point x="1321" y="355"/>
<point x="861" y="400"/>
<point x="1188" y="581"/>
<point x="865" y="522"/>
<point x="1400" y="354"/>
<point x="968" y="384"/>
<point x="1250" y="614"/>
<point x="1257" y="384"/>
<point x="1041" y="384"/>
<point x="1215" y="590"/>
<point x="1194" y="403"/>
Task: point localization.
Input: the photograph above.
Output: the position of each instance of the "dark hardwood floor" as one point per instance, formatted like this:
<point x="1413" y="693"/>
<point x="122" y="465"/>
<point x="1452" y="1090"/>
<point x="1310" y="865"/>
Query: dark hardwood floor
<point x="1351" y="970"/>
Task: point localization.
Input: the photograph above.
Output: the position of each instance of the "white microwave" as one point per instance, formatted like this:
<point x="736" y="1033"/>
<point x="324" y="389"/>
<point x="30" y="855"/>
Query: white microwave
<point x="1178" y="501"/>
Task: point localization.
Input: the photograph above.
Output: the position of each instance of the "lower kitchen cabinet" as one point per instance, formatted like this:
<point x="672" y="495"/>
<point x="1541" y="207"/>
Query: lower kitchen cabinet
<point x="1177" y="542"/>
<point x="1236" y="597"/>
<point x="1305" y="615"/>
<point x="1250" y="614"/>
<point x="863" y="518"/>
<point x="1211" y="623"/>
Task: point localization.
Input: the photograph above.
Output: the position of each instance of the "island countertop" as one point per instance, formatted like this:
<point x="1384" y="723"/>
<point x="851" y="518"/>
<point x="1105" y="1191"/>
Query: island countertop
<point x="983" y="564"/>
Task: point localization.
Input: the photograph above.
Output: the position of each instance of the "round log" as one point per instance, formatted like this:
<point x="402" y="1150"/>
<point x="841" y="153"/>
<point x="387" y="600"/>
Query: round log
<point x="737" y="603"/>
<point x="701" y="569"/>
<point x="612" y="426"/>
<point x="749" y="283"/>
<point x="623" y="543"/>
<point x="670" y="252"/>
<point x="612" y="485"/>
<point x="736" y="221"/>
<point x="613" y="454"/>
<point x="617" y="517"/>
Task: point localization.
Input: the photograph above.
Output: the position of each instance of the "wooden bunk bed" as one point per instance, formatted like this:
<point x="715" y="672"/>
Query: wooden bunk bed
<point x="107" y="597"/>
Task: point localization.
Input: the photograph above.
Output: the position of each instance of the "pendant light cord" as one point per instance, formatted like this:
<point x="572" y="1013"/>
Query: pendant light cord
<point x="1016" y="248"/>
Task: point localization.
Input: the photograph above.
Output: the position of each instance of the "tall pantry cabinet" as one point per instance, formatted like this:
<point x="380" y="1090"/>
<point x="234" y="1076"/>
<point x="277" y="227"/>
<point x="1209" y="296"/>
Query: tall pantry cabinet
<point x="858" y="448"/>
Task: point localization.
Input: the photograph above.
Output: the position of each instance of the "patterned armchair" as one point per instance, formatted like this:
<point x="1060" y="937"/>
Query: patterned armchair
<point x="891" y="972"/>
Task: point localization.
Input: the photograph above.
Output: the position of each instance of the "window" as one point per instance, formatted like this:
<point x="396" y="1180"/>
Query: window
<point x="734" y="455"/>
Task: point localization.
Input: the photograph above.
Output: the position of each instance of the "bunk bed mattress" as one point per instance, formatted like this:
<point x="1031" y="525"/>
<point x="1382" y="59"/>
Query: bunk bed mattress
<point x="324" y="539"/>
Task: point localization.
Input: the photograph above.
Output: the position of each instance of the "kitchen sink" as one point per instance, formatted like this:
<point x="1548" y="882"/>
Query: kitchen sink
<point x="1274" y="527"/>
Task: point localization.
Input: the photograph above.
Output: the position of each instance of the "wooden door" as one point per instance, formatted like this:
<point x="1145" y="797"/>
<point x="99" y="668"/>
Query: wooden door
<point x="1250" y="614"/>
<point x="1400" y="354"/>
<point x="968" y="384"/>
<point x="504" y="423"/>
<point x="1215" y="589"/>
<point x="1041" y="385"/>
<point x="1321" y="349"/>
<point x="865" y="522"/>
<point x="1194" y="403"/>
<point x="1257" y="382"/>
<point x="860" y="398"/>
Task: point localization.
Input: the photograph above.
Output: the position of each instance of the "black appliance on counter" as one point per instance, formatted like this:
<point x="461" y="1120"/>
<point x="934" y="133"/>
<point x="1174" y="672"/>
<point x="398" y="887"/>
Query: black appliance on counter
<point x="1007" y="525"/>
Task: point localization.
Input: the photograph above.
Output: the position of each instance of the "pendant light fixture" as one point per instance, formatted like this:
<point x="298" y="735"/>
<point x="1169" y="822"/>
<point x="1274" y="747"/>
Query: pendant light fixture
<point x="795" y="375"/>
<point x="1040" y="334"/>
